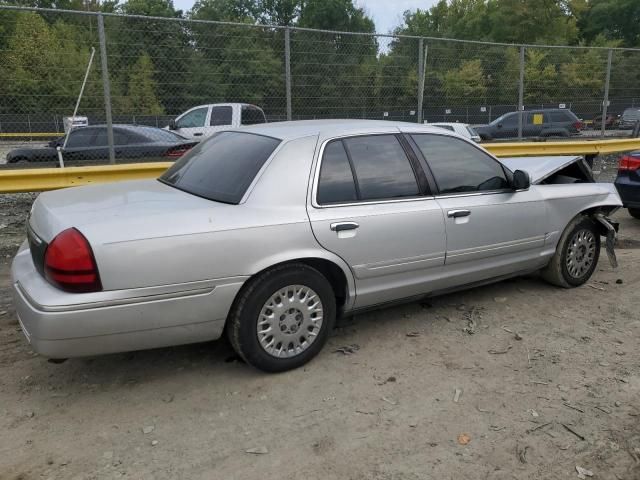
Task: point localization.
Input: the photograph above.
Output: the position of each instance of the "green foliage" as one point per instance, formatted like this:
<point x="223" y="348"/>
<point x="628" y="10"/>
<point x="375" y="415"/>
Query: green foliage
<point x="465" y="83"/>
<point x="159" y="67"/>
<point x="141" y="92"/>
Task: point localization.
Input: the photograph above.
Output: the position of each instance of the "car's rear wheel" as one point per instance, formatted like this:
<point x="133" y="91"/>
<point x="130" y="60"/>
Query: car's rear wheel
<point x="634" y="212"/>
<point x="576" y="255"/>
<point x="282" y="318"/>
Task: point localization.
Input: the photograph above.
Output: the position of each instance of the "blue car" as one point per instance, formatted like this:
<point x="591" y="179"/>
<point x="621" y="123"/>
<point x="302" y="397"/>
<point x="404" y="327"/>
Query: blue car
<point x="628" y="182"/>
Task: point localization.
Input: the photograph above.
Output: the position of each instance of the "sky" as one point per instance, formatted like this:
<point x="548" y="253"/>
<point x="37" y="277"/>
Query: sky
<point x="387" y="14"/>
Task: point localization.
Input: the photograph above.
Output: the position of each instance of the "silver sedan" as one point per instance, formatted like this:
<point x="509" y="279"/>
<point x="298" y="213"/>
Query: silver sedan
<point x="272" y="231"/>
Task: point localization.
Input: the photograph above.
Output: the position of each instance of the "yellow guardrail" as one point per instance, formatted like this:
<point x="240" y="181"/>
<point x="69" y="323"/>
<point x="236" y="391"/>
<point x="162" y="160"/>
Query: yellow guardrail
<point x="41" y="179"/>
<point x="28" y="135"/>
<point x="572" y="147"/>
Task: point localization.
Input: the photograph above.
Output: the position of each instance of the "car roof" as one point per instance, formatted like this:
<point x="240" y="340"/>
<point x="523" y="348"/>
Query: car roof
<point x="329" y="128"/>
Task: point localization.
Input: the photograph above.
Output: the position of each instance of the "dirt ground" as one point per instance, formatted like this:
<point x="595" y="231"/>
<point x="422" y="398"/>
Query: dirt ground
<point x="545" y="380"/>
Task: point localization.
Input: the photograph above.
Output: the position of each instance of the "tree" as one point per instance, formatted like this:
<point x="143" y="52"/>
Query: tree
<point x="142" y="89"/>
<point x="614" y="19"/>
<point x="466" y="84"/>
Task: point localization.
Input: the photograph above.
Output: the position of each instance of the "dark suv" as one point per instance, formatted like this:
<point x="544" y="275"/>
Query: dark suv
<point x="551" y="122"/>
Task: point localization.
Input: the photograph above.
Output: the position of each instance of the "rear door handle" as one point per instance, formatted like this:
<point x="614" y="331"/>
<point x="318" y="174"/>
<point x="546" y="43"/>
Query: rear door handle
<point x="340" y="226"/>
<point x="197" y="134"/>
<point x="458" y="213"/>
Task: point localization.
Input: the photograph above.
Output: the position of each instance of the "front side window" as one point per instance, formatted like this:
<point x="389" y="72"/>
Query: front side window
<point x="81" y="138"/>
<point x="193" y="119"/>
<point x="382" y="169"/>
<point x="459" y="166"/>
<point x="222" y="167"/>
<point x="221" y="116"/>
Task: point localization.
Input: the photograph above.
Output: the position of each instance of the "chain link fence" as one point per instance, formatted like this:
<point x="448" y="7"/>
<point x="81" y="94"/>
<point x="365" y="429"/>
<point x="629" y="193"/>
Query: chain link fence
<point x="148" y="71"/>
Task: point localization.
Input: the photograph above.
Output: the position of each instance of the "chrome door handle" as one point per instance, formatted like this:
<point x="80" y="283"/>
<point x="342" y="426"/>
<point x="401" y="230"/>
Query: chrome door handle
<point x="340" y="226"/>
<point x="199" y="134"/>
<point x="458" y="213"/>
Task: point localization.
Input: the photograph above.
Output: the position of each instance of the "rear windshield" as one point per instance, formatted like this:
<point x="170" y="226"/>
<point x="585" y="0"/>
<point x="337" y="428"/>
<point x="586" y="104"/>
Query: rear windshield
<point x="222" y="167"/>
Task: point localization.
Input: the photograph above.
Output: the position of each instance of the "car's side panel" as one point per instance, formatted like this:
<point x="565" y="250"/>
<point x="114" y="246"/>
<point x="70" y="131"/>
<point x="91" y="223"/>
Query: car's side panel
<point x="498" y="224"/>
<point x="565" y="201"/>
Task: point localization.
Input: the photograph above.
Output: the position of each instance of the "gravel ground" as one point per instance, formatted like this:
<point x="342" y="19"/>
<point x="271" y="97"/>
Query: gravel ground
<point x="513" y="380"/>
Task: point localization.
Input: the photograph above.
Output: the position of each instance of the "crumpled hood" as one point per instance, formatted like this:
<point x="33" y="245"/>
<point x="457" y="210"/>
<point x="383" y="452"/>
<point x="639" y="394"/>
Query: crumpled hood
<point x="539" y="168"/>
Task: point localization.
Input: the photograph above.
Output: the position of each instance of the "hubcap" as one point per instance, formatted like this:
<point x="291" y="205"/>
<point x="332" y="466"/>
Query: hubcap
<point x="290" y="321"/>
<point x="580" y="253"/>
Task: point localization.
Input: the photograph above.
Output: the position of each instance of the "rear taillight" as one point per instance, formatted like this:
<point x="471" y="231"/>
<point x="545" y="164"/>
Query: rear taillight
<point x="629" y="162"/>
<point x="578" y="125"/>
<point x="177" y="152"/>
<point x="69" y="263"/>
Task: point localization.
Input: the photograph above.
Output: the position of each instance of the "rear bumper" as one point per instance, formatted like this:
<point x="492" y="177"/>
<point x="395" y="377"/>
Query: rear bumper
<point x="67" y="325"/>
<point x="629" y="191"/>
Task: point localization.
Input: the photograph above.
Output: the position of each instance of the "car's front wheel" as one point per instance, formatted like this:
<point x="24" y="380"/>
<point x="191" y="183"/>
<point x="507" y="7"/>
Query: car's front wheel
<point x="576" y="255"/>
<point x="634" y="212"/>
<point x="282" y="318"/>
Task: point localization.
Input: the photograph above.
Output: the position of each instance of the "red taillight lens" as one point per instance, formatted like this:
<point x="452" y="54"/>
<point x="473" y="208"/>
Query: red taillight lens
<point x="177" y="152"/>
<point x="69" y="263"/>
<point x="578" y="125"/>
<point x="629" y="162"/>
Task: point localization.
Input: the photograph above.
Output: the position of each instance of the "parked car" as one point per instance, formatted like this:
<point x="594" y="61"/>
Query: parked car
<point x="463" y="129"/>
<point x="612" y="121"/>
<point x="204" y="120"/>
<point x="552" y="122"/>
<point x="628" y="182"/>
<point x="91" y="143"/>
<point x="269" y="232"/>
<point x="630" y="117"/>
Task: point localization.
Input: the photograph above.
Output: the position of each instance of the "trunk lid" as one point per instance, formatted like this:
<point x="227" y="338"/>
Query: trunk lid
<point x="122" y="211"/>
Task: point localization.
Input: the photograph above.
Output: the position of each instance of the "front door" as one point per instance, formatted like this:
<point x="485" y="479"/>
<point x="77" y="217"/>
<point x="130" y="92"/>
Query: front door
<point x="492" y="230"/>
<point x="193" y="123"/>
<point x="372" y="208"/>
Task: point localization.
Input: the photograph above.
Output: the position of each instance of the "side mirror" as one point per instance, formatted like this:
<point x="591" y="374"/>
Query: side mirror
<point x="172" y="124"/>
<point x="499" y="125"/>
<point x="521" y="180"/>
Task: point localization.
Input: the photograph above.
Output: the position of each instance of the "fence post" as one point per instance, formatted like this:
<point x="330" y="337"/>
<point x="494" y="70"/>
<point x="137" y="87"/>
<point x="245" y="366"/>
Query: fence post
<point x="106" y="87"/>
<point x="605" y="103"/>
<point x="421" y="67"/>
<point x="287" y="67"/>
<point x="521" y="93"/>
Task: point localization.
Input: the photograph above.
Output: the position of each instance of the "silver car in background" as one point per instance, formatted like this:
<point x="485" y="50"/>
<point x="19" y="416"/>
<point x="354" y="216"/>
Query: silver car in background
<point x="271" y="231"/>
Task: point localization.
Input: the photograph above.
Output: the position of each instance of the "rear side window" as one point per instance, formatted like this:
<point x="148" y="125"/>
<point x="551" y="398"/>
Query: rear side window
<point x="336" y="184"/>
<point x="381" y="167"/>
<point x="446" y="127"/>
<point x="560" y="117"/>
<point x="222" y="167"/>
<point x="251" y="116"/>
<point x="221" y="116"/>
<point x="459" y="166"/>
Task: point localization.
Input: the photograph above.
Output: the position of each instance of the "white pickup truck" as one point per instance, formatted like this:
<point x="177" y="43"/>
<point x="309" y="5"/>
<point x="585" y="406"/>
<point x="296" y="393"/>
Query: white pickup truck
<point x="204" y="120"/>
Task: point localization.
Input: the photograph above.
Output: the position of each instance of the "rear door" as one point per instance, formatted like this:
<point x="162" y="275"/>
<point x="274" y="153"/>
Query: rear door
<point x="371" y="206"/>
<point x="220" y="118"/>
<point x="534" y="123"/>
<point x="491" y="229"/>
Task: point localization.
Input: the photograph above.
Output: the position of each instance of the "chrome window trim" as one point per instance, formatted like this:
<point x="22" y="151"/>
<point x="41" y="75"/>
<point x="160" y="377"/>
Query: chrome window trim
<point x="318" y="165"/>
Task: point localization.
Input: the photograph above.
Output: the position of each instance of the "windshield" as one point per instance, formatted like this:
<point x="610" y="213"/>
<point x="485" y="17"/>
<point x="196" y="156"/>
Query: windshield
<point x="500" y="119"/>
<point x="222" y="167"/>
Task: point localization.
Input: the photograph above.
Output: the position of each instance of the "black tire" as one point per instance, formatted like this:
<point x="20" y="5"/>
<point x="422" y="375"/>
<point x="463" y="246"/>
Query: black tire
<point x="634" y="212"/>
<point x="242" y="323"/>
<point x="557" y="272"/>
